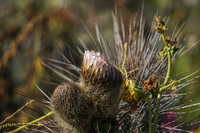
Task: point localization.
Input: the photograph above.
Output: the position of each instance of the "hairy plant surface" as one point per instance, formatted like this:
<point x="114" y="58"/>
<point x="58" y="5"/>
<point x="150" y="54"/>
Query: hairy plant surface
<point x="122" y="86"/>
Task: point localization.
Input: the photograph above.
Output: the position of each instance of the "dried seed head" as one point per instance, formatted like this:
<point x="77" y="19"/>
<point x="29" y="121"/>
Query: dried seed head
<point x="168" y="39"/>
<point x="102" y="82"/>
<point x="159" y="20"/>
<point x="71" y="108"/>
<point x="151" y="85"/>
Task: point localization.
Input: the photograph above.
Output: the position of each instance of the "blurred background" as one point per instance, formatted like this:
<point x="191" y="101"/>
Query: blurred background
<point x="35" y="29"/>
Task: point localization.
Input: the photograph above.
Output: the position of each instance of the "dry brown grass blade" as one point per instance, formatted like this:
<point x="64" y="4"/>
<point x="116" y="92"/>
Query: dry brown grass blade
<point x="20" y="38"/>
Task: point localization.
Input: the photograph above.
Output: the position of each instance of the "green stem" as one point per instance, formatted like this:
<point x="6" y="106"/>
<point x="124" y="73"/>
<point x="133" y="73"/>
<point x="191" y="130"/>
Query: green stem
<point x="161" y="89"/>
<point x="149" y="107"/>
<point x="165" y="87"/>
<point x="163" y="37"/>
<point x="169" y="68"/>
<point x="157" y="111"/>
<point x="31" y="123"/>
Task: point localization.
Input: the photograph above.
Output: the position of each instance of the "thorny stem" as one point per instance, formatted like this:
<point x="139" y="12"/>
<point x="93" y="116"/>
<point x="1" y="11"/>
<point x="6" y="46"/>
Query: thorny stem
<point x="31" y="123"/>
<point x="125" y="50"/>
<point x="124" y="62"/>
<point x="164" y="84"/>
<point x="17" y="111"/>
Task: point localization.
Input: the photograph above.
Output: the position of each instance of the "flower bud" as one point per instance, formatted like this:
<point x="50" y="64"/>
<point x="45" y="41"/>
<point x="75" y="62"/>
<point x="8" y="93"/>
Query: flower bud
<point x="102" y="82"/>
<point x="71" y="108"/>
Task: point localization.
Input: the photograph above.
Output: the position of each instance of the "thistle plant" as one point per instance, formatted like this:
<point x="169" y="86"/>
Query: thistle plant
<point x="124" y="86"/>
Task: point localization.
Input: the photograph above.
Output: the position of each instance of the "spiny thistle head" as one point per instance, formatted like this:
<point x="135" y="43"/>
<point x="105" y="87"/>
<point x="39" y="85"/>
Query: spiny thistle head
<point x="111" y="91"/>
<point x="95" y="98"/>
<point x="71" y="107"/>
<point x="102" y="83"/>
